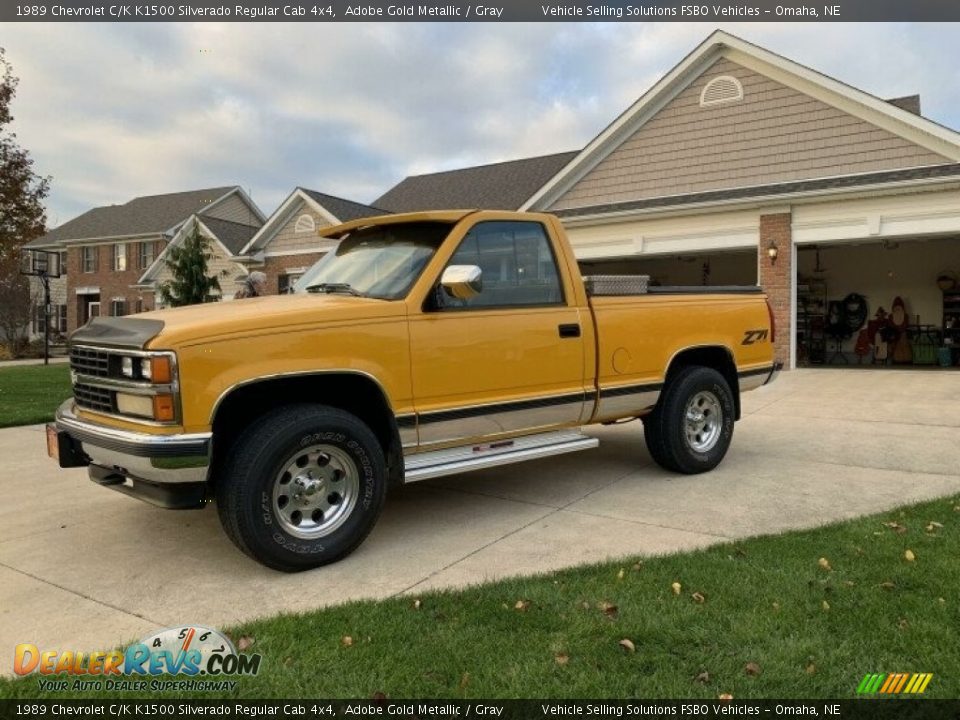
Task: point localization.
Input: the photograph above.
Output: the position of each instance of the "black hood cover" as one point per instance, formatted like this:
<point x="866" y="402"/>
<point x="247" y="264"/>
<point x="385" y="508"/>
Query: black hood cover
<point x="119" y="332"/>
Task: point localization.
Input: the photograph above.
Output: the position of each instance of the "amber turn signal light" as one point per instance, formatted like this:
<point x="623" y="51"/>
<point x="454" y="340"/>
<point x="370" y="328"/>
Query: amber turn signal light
<point x="160" y="370"/>
<point x="163" y="408"/>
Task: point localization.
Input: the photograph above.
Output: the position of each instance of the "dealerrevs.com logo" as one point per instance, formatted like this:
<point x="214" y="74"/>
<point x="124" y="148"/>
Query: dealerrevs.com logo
<point x="192" y="650"/>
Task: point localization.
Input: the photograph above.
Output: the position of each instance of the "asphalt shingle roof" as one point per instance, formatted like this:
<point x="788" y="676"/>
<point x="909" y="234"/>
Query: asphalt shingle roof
<point x="345" y="210"/>
<point x="500" y="186"/>
<point x="140" y="216"/>
<point x="233" y="235"/>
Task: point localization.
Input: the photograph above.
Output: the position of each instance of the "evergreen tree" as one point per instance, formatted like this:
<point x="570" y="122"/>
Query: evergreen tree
<point x="187" y="263"/>
<point x="22" y="216"/>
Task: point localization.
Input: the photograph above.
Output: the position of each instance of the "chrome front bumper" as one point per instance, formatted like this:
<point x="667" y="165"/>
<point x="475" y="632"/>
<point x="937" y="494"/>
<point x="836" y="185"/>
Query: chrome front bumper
<point x="152" y="467"/>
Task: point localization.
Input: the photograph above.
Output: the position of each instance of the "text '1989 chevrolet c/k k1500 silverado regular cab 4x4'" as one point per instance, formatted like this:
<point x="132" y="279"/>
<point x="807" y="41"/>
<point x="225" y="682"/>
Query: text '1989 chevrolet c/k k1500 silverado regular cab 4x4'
<point x="426" y="344"/>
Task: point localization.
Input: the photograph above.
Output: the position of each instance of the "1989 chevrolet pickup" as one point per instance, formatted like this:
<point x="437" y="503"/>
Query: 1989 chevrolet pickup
<point x="426" y="344"/>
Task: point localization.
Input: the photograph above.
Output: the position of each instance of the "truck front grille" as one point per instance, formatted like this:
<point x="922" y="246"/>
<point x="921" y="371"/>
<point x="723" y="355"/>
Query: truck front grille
<point x="93" y="398"/>
<point x="84" y="361"/>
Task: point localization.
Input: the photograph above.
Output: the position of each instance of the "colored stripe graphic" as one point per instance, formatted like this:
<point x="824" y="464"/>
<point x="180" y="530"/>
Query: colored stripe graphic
<point x="894" y="683"/>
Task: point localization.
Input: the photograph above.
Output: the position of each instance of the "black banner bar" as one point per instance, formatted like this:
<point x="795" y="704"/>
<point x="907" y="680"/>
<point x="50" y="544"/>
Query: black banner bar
<point x="120" y="709"/>
<point x="494" y="11"/>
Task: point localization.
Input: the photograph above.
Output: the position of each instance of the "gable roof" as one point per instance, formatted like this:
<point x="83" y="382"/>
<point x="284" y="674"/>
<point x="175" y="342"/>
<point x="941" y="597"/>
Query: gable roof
<point x="334" y="210"/>
<point x="880" y="113"/>
<point x="141" y="216"/>
<point x="344" y="210"/>
<point x="498" y="186"/>
<point x="233" y="236"/>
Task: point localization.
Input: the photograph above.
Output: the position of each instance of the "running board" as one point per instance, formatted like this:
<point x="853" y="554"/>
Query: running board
<point x="450" y="461"/>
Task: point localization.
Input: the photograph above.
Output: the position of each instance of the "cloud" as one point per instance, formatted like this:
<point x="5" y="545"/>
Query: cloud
<point x="115" y="111"/>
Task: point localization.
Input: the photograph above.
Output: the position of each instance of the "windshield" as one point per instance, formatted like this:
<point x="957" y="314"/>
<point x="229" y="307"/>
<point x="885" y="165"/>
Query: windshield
<point x="382" y="261"/>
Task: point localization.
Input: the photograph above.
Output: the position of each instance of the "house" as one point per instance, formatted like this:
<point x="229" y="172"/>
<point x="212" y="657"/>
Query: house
<point x="740" y="166"/>
<point x="113" y="254"/>
<point x="287" y="243"/>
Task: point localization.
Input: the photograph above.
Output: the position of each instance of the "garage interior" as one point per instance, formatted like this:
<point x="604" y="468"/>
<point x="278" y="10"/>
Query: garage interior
<point x="879" y="303"/>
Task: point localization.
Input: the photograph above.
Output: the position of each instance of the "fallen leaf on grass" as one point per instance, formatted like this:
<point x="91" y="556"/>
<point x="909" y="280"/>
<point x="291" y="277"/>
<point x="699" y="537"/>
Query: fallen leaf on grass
<point x="896" y="527"/>
<point x="585" y="605"/>
<point x="810" y="669"/>
<point x="638" y="566"/>
<point x="561" y="658"/>
<point x="903" y="623"/>
<point x="942" y="601"/>
<point x="824" y="564"/>
<point x="826" y="606"/>
<point x="676" y="587"/>
<point x="698" y="598"/>
<point x="417" y="604"/>
<point x="522" y="605"/>
<point x="245" y="642"/>
<point x="887" y="585"/>
<point x="346" y="641"/>
<point x="933" y="525"/>
<point x="464" y="680"/>
<point x="725" y="696"/>
<point x="776" y="607"/>
<point x="909" y="556"/>
<point x="609" y="609"/>
<point x="849" y="583"/>
<point x="621" y="574"/>
<point x="752" y="669"/>
<point x="627" y="644"/>
<point x="702" y="678"/>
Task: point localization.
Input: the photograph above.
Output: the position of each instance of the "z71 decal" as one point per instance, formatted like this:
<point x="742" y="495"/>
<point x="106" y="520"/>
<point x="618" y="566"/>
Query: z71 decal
<point x="752" y="336"/>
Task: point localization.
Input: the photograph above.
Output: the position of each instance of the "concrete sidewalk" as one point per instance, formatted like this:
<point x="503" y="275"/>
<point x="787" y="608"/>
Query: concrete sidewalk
<point x="83" y="568"/>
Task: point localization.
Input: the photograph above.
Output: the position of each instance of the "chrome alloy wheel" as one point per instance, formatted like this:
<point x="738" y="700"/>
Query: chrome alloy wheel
<point x="316" y="491"/>
<point x="703" y="421"/>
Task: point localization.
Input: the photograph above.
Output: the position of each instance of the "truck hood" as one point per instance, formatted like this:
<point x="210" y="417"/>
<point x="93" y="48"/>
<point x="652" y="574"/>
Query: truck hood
<point x="210" y="322"/>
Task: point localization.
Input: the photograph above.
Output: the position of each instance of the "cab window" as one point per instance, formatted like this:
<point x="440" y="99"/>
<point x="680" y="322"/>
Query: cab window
<point x="518" y="266"/>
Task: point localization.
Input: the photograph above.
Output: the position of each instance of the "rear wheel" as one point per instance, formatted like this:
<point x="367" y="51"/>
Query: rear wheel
<point x="303" y="487"/>
<point x="691" y="427"/>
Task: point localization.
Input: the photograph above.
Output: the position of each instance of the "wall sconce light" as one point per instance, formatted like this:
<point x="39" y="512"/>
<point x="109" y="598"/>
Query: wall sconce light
<point x="772" y="252"/>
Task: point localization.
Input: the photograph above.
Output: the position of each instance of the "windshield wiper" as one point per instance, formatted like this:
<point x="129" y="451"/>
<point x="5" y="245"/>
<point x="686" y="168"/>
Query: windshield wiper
<point x="334" y="288"/>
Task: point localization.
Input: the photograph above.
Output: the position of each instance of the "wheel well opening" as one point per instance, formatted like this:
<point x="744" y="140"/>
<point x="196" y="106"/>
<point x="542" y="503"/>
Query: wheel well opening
<point x="355" y="394"/>
<point x="716" y="357"/>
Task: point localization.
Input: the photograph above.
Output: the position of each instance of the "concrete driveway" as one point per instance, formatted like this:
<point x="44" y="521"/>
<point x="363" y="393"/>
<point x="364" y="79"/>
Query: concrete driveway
<point x="84" y="568"/>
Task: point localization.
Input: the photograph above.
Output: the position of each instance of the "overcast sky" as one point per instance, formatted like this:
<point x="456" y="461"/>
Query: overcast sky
<point x="116" y="111"/>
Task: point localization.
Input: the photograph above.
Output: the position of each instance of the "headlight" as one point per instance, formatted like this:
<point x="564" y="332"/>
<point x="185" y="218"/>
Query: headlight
<point x="126" y="366"/>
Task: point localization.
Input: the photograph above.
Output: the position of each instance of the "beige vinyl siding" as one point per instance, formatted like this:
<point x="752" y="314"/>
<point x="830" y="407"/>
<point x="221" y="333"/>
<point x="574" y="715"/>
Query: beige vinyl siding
<point x="287" y="240"/>
<point x="235" y="210"/>
<point x="217" y="266"/>
<point x="775" y="134"/>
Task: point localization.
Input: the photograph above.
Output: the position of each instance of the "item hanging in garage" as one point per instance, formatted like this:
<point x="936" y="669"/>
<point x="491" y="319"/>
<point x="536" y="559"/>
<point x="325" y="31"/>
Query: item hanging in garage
<point x="898" y="321"/>
<point x="855" y="311"/>
<point x="879" y="329"/>
<point x="837" y="329"/>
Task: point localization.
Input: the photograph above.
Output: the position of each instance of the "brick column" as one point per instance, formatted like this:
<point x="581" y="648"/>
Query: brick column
<point x="776" y="277"/>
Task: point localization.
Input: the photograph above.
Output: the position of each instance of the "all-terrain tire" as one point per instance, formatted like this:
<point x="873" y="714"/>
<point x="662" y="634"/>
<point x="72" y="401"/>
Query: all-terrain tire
<point x="302" y="487"/>
<point x="691" y="427"/>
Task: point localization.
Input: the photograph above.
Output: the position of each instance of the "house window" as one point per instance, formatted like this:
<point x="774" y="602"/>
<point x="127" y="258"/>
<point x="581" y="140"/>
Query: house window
<point x="61" y="318"/>
<point x="63" y="262"/>
<point x="147" y="255"/>
<point x="305" y="224"/>
<point x="91" y="258"/>
<point x="118" y="307"/>
<point x="120" y="257"/>
<point x="39" y="321"/>
<point x="286" y="282"/>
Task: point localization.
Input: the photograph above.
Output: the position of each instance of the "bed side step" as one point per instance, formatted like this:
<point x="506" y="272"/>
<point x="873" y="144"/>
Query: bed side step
<point x="465" y="458"/>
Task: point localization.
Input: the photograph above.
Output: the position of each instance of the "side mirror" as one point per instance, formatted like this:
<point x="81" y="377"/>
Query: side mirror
<point x="462" y="281"/>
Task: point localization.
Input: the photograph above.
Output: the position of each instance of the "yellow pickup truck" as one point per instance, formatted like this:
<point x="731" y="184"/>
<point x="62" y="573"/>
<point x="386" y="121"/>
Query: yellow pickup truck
<point x="426" y="344"/>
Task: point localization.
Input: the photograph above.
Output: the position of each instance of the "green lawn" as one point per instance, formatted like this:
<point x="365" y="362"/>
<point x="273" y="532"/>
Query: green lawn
<point x="30" y="394"/>
<point x="759" y="618"/>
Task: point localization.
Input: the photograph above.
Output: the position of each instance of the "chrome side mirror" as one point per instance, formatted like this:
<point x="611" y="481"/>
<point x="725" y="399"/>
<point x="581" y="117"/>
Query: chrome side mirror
<point x="462" y="281"/>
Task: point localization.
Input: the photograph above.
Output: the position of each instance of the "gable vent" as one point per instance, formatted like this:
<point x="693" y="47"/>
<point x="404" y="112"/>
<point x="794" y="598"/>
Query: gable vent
<point x="305" y="224"/>
<point x="720" y="90"/>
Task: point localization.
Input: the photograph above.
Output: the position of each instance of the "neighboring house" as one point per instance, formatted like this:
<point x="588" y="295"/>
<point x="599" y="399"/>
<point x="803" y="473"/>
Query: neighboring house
<point x="109" y="250"/>
<point x="739" y="167"/>
<point x="287" y="244"/>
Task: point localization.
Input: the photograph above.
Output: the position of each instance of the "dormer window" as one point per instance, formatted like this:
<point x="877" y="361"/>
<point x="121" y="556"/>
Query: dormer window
<point x="722" y="89"/>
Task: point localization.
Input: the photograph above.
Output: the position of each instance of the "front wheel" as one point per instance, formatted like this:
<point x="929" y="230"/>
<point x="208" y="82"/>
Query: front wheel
<point x="691" y="427"/>
<point x="302" y="487"/>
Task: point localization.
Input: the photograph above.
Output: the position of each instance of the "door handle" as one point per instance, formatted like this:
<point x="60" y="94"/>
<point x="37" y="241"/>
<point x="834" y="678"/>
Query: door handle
<point x="569" y="330"/>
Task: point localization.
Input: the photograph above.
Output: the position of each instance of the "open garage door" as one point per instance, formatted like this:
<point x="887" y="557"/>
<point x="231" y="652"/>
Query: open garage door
<point x="733" y="267"/>
<point x="902" y="290"/>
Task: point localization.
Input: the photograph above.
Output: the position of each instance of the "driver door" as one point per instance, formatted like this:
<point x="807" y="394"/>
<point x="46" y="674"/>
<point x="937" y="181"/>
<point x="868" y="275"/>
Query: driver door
<point x="508" y="359"/>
